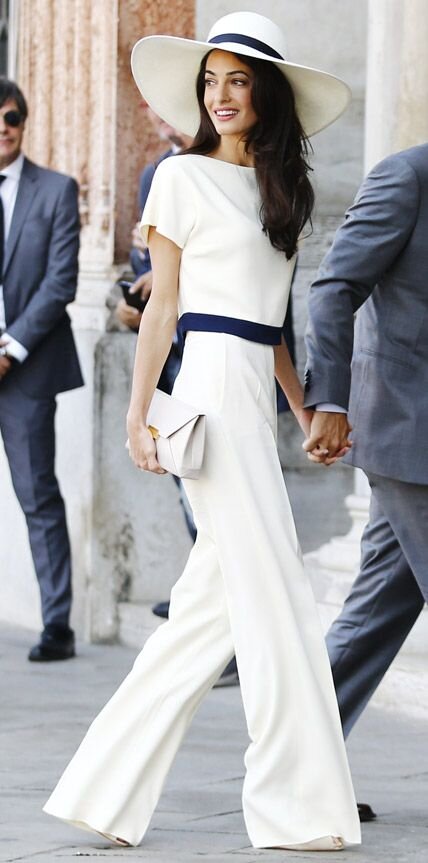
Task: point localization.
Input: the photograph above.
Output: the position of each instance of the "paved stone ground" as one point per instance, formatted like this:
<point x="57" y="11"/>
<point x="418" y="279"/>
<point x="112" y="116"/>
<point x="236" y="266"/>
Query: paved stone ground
<point x="46" y="710"/>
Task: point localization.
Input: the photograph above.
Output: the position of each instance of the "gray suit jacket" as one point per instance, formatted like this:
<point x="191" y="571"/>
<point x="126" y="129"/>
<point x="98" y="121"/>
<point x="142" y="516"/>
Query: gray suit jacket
<point x="378" y="264"/>
<point x="39" y="279"/>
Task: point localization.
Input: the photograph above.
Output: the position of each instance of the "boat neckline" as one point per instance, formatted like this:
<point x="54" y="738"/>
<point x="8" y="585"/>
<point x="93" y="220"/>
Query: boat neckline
<point x="221" y="161"/>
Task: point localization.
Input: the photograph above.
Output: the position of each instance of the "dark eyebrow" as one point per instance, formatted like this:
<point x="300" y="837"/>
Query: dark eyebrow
<point x="235" y="72"/>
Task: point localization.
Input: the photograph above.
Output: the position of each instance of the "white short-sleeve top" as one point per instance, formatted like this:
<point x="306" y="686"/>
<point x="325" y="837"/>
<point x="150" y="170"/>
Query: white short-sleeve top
<point x="211" y="210"/>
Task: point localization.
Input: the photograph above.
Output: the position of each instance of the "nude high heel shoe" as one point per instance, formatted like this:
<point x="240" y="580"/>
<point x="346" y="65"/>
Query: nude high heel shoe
<point x="114" y="839"/>
<point x="326" y="843"/>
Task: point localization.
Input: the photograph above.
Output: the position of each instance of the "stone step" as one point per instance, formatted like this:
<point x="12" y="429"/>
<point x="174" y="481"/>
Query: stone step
<point x="332" y="570"/>
<point x="136" y="623"/>
<point x="404" y="689"/>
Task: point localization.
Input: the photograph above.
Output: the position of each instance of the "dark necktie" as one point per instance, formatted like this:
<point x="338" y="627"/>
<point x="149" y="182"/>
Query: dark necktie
<point x="2" y="177"/>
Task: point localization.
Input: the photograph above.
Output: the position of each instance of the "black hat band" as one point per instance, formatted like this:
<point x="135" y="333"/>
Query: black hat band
<point x="249" y="42"/>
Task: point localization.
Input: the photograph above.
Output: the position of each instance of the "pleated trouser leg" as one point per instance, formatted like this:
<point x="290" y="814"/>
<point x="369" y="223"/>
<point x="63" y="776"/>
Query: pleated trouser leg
<point x="243" y="589"/>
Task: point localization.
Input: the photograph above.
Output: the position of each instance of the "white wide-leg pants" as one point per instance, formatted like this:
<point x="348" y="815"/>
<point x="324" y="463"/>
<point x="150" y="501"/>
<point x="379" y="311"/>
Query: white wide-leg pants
<point x="244" y="590"/>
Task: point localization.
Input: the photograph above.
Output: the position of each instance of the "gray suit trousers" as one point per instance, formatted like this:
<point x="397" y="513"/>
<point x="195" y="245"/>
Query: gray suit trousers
<point x="387" y="596"/>
<point x="27" y="429"/>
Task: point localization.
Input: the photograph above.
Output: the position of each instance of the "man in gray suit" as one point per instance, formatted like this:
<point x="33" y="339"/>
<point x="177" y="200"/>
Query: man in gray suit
<point x="39" y="242"/>
<point x="378" y="267"/>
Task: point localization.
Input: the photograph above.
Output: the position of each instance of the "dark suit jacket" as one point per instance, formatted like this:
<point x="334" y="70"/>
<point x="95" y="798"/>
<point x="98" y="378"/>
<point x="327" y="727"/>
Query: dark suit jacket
<point x="40" y="278"/>
<point x="378" y="264"/>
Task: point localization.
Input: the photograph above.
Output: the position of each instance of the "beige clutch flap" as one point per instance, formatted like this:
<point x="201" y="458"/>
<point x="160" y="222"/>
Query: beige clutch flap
<point x="179" y="432"/>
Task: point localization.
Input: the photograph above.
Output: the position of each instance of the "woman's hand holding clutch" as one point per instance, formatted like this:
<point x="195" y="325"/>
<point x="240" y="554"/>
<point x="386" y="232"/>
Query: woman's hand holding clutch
<point x="142" y="447"/>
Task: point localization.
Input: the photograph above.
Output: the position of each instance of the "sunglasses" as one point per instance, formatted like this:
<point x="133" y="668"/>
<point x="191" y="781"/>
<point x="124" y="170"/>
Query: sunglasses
<point x="13" y="118"/>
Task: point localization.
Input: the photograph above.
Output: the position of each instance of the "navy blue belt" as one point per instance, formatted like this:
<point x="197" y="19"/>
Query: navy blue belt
<point x="262" y="333"/>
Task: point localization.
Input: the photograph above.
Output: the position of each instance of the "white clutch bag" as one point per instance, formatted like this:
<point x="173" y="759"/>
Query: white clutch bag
<point x="179" y="432"/>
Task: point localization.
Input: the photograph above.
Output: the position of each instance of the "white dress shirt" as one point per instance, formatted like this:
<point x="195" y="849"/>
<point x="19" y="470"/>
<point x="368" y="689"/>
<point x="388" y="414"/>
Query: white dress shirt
<point x="329" y="408"/>
<point x="8" y="193"/>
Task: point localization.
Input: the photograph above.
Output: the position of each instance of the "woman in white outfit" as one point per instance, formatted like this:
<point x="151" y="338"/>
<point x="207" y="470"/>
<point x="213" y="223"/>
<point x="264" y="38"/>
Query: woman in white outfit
<point x="222" y="223"/>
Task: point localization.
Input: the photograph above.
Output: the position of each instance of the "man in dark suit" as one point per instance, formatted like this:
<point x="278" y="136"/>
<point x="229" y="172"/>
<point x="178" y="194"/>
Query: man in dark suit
<point x="378" y="266"/>
<point x="39" y="241"/>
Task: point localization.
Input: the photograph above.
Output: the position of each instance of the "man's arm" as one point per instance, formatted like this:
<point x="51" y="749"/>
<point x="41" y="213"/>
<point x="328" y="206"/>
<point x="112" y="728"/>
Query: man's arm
<point x="376" y="229"/>
<point x="58" y="287"/>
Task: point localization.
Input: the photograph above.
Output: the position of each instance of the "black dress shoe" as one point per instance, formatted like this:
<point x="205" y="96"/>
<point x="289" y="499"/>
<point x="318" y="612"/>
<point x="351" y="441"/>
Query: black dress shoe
<point x="366" y="812"/>
<point x="56" y="643"/>
<point x="230" y="676"/>
<point x="161" y="609"/>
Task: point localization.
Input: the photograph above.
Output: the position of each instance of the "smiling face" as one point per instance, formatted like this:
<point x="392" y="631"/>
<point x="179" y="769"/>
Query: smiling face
<point x="227" y="98"/>
<point x="10" y="136"/>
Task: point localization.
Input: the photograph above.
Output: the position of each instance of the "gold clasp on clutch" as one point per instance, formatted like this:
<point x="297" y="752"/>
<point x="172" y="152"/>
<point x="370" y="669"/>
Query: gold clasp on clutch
<point x="154" y="432"/>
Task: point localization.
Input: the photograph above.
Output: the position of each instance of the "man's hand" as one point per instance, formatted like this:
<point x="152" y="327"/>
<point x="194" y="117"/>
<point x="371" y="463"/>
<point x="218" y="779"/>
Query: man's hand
<point x="143" y="285"/>
<point x="128" y="315"/>
<point x="329" y="437"/>
<point x="5" y="362"/>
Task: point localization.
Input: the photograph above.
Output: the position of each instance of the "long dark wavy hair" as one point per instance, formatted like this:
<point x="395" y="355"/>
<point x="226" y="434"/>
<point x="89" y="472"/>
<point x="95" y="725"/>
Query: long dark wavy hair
<point x="280" y="150"/>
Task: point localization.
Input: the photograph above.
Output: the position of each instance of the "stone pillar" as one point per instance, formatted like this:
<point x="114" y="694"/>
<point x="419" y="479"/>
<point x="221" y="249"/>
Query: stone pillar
<point x="397" y="77"/>
<point x="67" y="69"/>
<point x="397" y="91"/>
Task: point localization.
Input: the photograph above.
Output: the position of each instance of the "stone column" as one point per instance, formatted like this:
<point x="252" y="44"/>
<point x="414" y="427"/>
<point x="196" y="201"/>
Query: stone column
<point x="67" y="69"/>
<point x="397" y="77"/>
<point x="397" y="93"/>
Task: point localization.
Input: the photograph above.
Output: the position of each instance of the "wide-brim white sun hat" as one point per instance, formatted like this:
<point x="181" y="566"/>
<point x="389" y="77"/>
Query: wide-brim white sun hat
<point x="165" y="69"/>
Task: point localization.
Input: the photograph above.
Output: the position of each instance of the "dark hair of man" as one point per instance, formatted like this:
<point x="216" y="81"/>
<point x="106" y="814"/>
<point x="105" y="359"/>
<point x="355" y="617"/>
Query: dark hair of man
<point x="280" y="149"/>
<point x="10" y="91"/>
